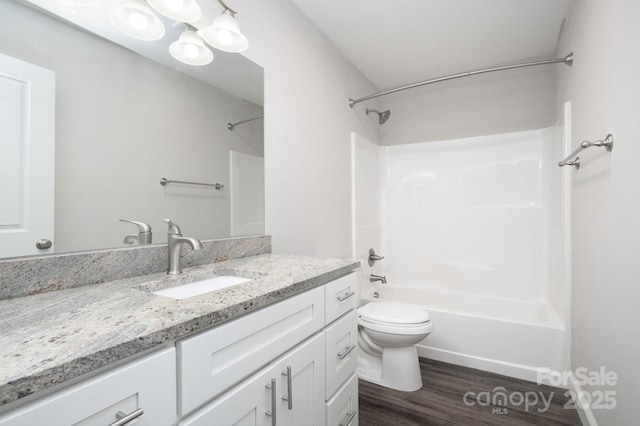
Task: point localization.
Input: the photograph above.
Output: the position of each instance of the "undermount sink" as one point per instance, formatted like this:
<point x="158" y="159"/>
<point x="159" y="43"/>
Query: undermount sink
<point x="201" y="287"/>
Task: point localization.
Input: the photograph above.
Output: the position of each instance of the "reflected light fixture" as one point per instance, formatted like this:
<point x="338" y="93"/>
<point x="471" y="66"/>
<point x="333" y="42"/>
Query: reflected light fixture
<point x="136" y="19"/>
<point x="178" y="10"/>
<point x="190" y="49"/>
<point x="224" y="33"/>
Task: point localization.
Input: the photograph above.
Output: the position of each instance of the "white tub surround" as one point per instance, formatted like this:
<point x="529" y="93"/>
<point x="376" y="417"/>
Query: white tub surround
<point x="475" y="231"/>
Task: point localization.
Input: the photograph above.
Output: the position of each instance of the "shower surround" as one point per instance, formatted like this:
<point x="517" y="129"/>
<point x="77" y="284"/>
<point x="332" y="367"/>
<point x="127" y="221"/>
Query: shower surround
<point x="476" y="231"/>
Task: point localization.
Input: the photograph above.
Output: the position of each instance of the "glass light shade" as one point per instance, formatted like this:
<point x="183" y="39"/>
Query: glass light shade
<point x="136" y="19"/>
<point x="224" y="34"/>
<point x="178" y="10"/>
<point x="190" y="49"/>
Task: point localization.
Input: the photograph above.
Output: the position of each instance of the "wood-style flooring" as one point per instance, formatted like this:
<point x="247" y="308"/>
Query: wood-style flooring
<point x="441" y="401"/>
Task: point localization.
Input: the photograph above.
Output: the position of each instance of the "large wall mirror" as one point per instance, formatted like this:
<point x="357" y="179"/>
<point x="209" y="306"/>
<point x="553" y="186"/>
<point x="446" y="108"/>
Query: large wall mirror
<point x="126" y="115"/>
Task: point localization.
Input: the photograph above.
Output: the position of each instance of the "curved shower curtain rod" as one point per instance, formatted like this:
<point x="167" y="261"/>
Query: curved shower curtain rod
<point x="567" y="60"/>
<point x="230" y="126"/>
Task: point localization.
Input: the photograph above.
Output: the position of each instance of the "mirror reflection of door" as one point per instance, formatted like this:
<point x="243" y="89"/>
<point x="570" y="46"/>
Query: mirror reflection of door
<point x="247" y="194"/>
<point x="27" y="157"/>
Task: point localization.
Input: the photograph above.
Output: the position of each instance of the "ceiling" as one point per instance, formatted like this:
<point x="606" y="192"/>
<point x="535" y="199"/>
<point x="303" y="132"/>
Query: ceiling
<point x="399" y="42"/>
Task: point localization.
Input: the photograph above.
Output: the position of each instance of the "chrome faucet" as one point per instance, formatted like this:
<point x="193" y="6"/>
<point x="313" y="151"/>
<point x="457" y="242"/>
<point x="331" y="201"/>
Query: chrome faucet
<point x="374" y="278"/>
<point x="143" y="236"/>
<point x="175" y="240"/>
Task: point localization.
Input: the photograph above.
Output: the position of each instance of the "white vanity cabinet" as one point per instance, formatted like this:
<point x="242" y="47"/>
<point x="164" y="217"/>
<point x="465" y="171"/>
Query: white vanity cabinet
<point x="306" y="346"/>
<point x="144" y="390"/>
<point x="289" y="392"/>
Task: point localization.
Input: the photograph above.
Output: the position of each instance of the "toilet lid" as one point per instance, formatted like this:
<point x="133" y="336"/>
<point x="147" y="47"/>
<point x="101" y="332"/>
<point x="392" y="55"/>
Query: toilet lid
<point x="394" y="312"/>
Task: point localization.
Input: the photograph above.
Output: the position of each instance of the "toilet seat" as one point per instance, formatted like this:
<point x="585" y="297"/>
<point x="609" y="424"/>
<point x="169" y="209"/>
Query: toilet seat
<point x="394" y="313"/>
<point x="395" y="318"/>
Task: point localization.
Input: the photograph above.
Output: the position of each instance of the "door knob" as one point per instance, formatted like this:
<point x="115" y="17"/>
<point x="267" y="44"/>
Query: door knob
<point x="44" y="244"/>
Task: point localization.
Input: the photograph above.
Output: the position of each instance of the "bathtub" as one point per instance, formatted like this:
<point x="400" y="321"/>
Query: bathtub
<point x="511" y="337"/>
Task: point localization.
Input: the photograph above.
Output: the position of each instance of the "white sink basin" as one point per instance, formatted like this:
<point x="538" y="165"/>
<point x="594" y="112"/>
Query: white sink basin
<point x="201" y="287"/>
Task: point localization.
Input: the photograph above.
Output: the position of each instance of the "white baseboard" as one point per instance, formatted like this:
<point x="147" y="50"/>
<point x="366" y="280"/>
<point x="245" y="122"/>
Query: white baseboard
<point x="586" y="415"/>
<point x="518" y="371"/>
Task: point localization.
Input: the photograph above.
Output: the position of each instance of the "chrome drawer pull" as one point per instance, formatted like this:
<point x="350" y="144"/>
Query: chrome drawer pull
<point x="345" y="296"/>
<point x="289" y="397"/>
<point x="350" y="416"/>
<point x="272" y="413"/>
<point x="123" y="418"/>
<point x="347" y="351"/>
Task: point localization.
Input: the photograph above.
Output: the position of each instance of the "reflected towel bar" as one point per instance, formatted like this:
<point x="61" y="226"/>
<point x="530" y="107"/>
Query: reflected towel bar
<point x="165" y="181"/>
<point x="230" y="126"/>
<point x="607" y="143"/>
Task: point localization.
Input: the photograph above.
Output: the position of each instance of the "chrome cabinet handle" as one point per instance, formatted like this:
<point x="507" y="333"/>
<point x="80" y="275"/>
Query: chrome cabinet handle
<point x="272" y="413"/>
<point x="289" y="397"/>
<point x="350" y="416"/>
<point x="345" y="296"/>
<point x="347" y="351"/>
<point x="123" y="418"/>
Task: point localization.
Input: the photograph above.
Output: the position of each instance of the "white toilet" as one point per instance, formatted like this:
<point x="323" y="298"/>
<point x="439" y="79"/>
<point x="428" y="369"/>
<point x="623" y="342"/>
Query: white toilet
<point x="387" y="337"/>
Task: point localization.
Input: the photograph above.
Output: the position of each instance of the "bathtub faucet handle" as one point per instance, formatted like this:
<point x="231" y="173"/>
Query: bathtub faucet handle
<point x="374" y="278"/>
<point x="373" y="257"/>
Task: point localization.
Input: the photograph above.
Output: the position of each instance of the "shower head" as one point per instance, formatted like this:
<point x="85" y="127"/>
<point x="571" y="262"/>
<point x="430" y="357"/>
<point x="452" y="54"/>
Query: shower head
<point x="382" y="116"/>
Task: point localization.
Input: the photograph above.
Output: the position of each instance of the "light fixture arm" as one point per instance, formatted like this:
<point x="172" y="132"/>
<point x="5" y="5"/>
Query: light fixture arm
<point x="223" y="4"/>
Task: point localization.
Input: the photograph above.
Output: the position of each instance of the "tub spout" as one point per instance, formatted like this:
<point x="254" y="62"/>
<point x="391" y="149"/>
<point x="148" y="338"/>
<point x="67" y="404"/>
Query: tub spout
<point x="373" y="278"/>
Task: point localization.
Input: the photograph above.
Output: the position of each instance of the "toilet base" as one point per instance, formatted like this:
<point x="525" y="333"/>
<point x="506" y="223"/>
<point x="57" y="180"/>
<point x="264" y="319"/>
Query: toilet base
<point x="397" y="368"/>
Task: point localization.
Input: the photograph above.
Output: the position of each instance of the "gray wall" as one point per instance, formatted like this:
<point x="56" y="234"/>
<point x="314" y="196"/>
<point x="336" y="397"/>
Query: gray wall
<point x="307" y="129"/>
<point x="488" y="104"/>
<point x="604" y="87"/>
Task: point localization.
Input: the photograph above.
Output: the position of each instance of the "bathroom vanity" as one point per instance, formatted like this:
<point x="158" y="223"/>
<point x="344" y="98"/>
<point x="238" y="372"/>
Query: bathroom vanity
<point x="277" y="350"/>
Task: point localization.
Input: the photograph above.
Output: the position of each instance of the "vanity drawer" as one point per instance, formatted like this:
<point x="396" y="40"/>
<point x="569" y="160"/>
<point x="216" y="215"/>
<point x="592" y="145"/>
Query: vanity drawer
<point x="147" y="385"/>
<point x="213" y="361"/>
<point x="341" y="355"/>
<point x="342" y="409"/>
<point x="341" y="296"/>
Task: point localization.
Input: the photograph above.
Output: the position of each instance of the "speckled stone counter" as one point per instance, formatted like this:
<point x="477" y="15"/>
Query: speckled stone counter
<point x="50" y="338"/>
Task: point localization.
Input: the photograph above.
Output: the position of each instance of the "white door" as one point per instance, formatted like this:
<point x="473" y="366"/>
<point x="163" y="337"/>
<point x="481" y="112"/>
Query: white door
<point x="307" y="368"/>
<point x="27" y="155"/>
<point x="247" y="194"/>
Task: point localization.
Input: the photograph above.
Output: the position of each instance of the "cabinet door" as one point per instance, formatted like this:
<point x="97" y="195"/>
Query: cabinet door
<point x="144" y="389"/>
<point x="245" y="405"/>
<point x="301" y="395"/>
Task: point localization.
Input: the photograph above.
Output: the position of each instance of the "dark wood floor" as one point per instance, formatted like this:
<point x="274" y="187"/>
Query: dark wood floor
<point x="441" y="401"/>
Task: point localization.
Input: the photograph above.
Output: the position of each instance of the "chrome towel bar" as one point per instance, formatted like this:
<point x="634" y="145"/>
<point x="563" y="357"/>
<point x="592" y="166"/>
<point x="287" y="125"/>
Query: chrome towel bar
<point x="573" y="160"/>
<point x="165" y="181"/>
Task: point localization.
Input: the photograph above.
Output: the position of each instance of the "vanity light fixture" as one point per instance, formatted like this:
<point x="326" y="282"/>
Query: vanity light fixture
<point x="190" y="49"/>
<point x="224" y="33"/>
<point x="178" y="10"/>
<point x="136" y="19"/>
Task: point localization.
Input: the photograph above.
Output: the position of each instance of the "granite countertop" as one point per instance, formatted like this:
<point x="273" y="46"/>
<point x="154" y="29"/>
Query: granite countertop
<point x="50" y="338"/>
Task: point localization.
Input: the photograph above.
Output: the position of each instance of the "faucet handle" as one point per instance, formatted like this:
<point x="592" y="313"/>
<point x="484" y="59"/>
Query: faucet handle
<point x="144" y="233"/>
<point x="174" y="229"/>
<point x="142" y="227"/>
<point x="373" y="257"/>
